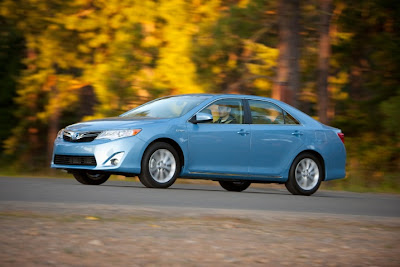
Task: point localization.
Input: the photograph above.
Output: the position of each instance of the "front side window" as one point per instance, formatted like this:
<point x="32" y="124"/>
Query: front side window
<point x="165" y="108"/>
<point x="267" y="113"/>
<point x="226" y="111"/>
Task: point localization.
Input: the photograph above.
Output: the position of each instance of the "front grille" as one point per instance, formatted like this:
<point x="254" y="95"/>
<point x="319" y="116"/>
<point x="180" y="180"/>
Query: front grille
<point x="70" y="136"/>
<point x="75" y="160"/>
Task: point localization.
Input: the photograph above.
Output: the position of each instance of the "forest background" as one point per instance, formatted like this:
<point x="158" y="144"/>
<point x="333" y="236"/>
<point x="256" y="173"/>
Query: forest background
<point x="67" y="61"/>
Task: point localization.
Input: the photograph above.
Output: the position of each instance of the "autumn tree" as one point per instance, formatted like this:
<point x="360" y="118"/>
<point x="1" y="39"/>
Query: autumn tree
<point x="324" y="53"/>
<point x="235" y="50"/>
<point x="366" y="55"/>
<point x="11" y="53"/>
<point x="287" y="82"/>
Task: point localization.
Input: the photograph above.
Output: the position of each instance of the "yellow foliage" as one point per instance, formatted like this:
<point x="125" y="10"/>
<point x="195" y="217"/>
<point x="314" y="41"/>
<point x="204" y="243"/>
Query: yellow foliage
<point x="92" y="218"/>
<point x="232" y="61"/>
<point x="99" y="40"/>
<point x="243" y="3"/>
<point x="336" y="84"/>
<point x="263" y="84"/>
<point x="216" y="69"/>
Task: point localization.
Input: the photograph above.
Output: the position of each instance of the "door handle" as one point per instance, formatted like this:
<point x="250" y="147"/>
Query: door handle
<point x="243" y="132"/>
<point x="297" y="133"/>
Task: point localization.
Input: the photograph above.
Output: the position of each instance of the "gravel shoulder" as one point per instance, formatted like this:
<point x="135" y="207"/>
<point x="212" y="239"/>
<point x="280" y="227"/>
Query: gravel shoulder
<point x="43" y="234"/>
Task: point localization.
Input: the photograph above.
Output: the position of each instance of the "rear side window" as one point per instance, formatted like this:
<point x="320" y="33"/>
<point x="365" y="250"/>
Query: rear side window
<point x="289" y="119"/>
<point x="263" y="112"/>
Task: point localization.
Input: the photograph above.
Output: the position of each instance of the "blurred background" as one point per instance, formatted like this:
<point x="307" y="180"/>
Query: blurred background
<point x="67" y="61"/>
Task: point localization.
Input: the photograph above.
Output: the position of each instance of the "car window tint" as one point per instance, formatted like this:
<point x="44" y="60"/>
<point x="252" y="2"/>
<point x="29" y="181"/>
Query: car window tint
<point x="263" y="112"/>
<point x="289" y="119"/>
<point x="226" y="111"/>
<point x="266" y="113"/>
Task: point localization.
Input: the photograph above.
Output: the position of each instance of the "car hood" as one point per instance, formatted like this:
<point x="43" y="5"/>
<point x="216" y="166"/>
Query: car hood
<point x="116" y="123"/>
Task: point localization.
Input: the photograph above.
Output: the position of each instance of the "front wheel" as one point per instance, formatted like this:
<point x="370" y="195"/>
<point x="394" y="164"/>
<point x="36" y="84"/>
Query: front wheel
<point x="160" y="166"/>
<point x="305" y="175"/>
<point x="91" y="178"/>
<point x="238" y="186"/>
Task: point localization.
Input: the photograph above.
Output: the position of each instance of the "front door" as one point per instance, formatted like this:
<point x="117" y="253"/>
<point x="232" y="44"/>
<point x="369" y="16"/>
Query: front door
<point x="223" y="146"/>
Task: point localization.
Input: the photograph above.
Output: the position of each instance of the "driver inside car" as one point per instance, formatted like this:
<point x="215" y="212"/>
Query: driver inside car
<point x="225" y="115"/>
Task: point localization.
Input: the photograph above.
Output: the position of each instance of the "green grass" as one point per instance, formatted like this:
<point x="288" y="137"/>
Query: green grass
<point x="390" y="183"/>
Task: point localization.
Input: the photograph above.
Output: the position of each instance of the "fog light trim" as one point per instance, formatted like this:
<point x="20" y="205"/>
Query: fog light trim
<point x="115" y="160"/>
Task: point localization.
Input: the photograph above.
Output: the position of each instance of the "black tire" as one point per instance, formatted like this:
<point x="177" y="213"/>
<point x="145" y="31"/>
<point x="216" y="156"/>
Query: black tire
<point x="91" y="178"/>
<point x="237" y="186"/>
<point x="159" y="160"/>
<point x="305" y="175"/>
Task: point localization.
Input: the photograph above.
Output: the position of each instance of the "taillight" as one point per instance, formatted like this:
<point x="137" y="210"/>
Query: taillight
<point x="341" y="136"/>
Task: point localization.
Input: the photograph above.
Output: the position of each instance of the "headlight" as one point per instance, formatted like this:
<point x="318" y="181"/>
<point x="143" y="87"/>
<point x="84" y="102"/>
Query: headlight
<point x="60" y="134"/>
<point x="116" y="134"/>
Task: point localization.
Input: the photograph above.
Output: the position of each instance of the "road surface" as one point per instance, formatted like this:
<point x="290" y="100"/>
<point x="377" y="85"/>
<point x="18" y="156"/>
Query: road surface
<point x="46" y="190"/>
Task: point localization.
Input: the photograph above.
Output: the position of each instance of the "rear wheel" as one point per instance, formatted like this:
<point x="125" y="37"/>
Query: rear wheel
<point x="237" y="186"/>
<point x="160" y="166"/>
<point x="91" y="178"/>
<point x="305" y="175"/>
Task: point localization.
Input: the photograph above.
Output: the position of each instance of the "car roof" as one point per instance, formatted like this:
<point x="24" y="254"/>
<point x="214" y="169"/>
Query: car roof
<point x="227" y="95"/>
<point x="218" y="96"/>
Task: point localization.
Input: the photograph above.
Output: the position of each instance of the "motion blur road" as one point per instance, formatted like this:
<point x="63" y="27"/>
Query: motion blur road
<point x="46" y="190"/>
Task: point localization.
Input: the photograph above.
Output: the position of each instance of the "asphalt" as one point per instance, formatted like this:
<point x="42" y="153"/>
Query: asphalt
<point x="46" y="190"/>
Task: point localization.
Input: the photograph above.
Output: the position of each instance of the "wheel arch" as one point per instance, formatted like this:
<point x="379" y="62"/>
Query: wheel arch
<point x="174" y="144"/>
<point x="317" y="155"/>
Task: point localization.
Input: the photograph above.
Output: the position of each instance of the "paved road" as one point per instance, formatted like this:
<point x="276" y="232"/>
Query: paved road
<point x="196" y="196"/>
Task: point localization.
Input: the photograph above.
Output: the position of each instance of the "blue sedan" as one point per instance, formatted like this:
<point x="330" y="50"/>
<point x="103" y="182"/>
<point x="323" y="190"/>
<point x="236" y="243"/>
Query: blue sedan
<point x="233" y="139"/>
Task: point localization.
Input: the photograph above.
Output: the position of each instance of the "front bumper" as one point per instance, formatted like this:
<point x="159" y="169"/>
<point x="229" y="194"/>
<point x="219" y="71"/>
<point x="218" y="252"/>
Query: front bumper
<point x="102" y="150"/>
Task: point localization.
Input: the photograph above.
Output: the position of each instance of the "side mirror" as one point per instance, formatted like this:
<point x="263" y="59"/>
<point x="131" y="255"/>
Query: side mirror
<point x="201" y="118"/>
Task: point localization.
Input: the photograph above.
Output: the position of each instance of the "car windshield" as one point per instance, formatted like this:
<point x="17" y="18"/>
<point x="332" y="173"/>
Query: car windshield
<point x="166" y="108"/>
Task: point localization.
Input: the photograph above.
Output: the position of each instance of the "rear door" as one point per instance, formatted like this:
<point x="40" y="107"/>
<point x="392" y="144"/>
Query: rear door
<point x="275" y="139"/>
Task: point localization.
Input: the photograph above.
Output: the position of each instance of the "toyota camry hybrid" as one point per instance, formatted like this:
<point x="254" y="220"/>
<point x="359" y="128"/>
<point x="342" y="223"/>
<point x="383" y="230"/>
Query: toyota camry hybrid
<point x="233" y="139"/>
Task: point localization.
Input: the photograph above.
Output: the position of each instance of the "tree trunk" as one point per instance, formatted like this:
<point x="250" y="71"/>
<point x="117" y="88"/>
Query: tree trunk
<point x="323" y="59"/>
<point x="287" y="81"/>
